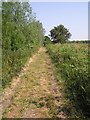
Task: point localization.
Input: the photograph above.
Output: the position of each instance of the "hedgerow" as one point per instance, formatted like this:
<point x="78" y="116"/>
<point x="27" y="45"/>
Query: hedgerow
<point x="22" y="35"/>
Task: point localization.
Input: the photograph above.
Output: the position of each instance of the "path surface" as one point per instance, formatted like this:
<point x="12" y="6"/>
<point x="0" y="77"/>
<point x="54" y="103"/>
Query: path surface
<point x="35" y="93"/>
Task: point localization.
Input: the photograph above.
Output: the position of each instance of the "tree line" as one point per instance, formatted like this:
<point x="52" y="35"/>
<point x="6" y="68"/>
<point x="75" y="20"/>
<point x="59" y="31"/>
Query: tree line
<point x="22" y="34"/>
<point x="60" y="34"/>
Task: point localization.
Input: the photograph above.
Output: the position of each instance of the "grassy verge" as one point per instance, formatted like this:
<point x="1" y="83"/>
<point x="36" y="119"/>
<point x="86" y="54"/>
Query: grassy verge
<point x="13" y="63"/>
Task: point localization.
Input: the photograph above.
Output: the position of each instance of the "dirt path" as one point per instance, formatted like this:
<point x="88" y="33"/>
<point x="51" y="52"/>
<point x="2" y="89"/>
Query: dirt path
<point x="35" y="93"/>
<point x="9" y="92"/>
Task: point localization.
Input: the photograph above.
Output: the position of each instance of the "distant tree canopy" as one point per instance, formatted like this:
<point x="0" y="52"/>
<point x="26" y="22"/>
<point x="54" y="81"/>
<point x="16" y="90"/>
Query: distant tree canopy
<point x="60" y="34"/>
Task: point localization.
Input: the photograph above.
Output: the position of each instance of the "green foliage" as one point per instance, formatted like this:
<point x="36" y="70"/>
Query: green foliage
<point x="60" y="34"/>
<point x="71" y="62"/>
<point x="46" y="40"/>
<point x="22" y="35"/>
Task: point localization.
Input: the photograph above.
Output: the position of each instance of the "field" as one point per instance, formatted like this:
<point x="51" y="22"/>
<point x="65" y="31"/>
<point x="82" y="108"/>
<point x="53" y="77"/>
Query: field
<point x="41" y="78"/>
<point x="71" y="61"/>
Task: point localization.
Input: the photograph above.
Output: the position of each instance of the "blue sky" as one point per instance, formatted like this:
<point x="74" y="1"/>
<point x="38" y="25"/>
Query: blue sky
<point x="73" y="15"/>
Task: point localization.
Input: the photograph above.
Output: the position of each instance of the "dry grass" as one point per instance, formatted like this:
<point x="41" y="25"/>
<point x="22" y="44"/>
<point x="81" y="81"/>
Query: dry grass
<point x="36" y="95"/>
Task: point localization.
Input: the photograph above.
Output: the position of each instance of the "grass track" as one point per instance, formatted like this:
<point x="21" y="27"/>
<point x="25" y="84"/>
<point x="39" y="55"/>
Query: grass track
<point x="38" y="94"/>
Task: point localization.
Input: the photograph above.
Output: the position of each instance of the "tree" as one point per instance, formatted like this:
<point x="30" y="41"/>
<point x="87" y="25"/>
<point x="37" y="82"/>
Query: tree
<point x="46" y="40"/>
<point x="22" y="35"/>
<point x="60" y="34"/>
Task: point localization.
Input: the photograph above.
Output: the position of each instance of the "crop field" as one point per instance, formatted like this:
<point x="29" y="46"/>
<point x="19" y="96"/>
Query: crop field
<point x="72" y="62"/>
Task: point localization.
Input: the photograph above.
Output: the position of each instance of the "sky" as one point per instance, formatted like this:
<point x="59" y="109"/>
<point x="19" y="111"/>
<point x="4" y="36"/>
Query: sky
<point x="73" y="15"/>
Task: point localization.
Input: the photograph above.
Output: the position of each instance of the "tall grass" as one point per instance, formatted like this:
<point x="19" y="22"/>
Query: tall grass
<point x="72" y="63"/>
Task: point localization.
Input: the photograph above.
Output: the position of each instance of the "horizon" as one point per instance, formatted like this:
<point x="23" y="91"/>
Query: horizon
<point x="73" y="15"/>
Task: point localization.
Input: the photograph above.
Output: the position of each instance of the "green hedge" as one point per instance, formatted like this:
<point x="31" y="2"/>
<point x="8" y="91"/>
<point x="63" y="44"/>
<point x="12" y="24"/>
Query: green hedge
<point x="21" y="37"/>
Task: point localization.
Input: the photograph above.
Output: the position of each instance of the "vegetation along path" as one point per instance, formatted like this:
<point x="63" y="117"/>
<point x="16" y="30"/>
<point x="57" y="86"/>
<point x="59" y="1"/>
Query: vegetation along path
<point x="37" y="94"/>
